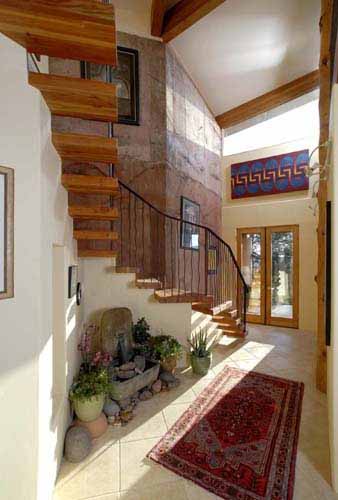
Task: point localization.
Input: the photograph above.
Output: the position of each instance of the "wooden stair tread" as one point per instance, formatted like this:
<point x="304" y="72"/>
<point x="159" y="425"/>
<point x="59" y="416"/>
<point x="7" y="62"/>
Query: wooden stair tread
<point x="237" y="333"/>
<point x="76" y="97"/>
<point x="85" y="148"/>
<point x="175" y="295"/>
<point x="81" y="234"/>
<point x="69" y="29"/>
<point x="91" y="184"/>
<point x="204" y="309"/>
<point x="97" y="253"/>
<point x="148" y="284"/>
<point x="93" y="213"/>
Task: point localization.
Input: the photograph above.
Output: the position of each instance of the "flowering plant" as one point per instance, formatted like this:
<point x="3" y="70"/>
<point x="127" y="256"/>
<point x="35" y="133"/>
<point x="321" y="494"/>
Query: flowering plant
<point x="93" y="377"/>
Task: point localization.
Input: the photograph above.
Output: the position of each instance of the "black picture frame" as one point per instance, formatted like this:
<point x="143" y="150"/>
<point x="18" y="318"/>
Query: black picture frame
<point x="190" y="211"/>
<point x="126" y="77"/>
<point x="72" y="281"/>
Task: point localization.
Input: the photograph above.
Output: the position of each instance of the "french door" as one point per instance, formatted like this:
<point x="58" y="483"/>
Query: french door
<point x="269" y="260"/>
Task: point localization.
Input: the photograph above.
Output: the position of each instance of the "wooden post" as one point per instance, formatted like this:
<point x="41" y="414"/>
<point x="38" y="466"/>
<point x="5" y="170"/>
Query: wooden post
<point x="324" y="111"/>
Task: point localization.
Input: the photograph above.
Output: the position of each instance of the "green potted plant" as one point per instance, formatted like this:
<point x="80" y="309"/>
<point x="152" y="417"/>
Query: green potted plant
<point x="141" y="331"/>
<point x="91" y="386"/>
<point x="201" y="353"/>
<point x="167" y="350"/>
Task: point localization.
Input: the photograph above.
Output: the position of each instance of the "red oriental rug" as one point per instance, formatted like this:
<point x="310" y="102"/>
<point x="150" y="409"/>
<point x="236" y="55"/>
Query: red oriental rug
<point x="239" y="438"/>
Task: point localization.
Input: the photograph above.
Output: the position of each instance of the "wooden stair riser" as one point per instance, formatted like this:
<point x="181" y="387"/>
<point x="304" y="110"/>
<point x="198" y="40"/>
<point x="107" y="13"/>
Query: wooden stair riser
<point x="85" y="148"/>
<point x="95" y="235"/>
<point x="98" y="254"/>
<point x="70" y="29"/>
<point x="148" y="285"/>
<point x="76" y="97"/>
<point x="89" y="184"/>
<point x="93" y="213"/>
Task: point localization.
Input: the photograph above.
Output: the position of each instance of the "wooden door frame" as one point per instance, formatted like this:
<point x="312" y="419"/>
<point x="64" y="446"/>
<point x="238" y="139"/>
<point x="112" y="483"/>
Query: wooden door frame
<point x="251" y="318"/>
<point x="276" y="321"/>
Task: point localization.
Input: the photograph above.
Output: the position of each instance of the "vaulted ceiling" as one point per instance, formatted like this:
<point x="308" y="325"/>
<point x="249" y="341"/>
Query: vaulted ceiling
<point x="237" y="50"/>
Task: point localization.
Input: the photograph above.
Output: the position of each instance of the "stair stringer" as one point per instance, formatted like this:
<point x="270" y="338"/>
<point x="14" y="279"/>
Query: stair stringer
<point x="104" y="288"/>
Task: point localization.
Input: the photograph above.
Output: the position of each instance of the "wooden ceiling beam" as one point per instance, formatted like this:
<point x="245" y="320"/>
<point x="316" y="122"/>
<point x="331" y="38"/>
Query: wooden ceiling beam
<point x="269" y="101"/>
<point x="184" y="14"/>
<point x="158" y="10"/>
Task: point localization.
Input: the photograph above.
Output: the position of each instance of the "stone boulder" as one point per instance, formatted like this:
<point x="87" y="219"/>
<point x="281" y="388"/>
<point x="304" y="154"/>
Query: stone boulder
<point x="78" y="444"/>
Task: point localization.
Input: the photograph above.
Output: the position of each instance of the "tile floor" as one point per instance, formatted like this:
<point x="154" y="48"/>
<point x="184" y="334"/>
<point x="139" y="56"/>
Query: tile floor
<point x="117" y="468"/>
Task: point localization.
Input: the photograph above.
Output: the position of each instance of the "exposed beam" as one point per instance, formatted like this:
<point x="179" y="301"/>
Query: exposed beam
<point x="325" y="66"/>
<point x="158" y="9"/>
<point x="269" y="101"/>
<point x="184" y="14"/>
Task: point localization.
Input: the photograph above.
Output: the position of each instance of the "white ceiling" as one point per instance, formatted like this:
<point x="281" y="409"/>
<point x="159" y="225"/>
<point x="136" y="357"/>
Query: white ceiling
<point x="244" y="48"/>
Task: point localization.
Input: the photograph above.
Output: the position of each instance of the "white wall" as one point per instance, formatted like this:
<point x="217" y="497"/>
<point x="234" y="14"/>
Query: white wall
<point x="291" y="208"/>
<point x="107" y="289"/>
<point x="333" y="350"/>
<point x="31" y="436"/>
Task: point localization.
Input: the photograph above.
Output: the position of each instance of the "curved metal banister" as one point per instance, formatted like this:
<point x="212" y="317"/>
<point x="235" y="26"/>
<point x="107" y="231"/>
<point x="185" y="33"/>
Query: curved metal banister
<point x="180" y="220"/>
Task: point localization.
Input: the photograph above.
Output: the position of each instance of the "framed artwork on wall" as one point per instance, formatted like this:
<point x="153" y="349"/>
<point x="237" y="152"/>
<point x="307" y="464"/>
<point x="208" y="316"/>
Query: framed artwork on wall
<point x="72" y="281"/>
<point x="190" y="211"/>
<point x="268" y="176"/>
<point x="6" y="233"/>
<point x="126" y="77"/>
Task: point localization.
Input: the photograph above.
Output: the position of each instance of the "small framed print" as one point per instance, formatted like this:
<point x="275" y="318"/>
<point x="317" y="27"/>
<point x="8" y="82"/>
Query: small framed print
<point x="212" y="260"/>
<point x="190" y="211"/>
<point x="126" y="78"/>
<point x="6" y="233"/>
<point x="72" y="281"/>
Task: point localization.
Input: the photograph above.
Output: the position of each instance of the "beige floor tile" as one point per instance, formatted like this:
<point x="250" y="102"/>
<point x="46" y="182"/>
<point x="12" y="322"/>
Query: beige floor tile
<point x="111" y="496"/>
<point x="144" y="426"/>
<point x="173" y="412"/>
<point x="169" y="491"/>
<point x="195" y="492"/>
<point x="103" y="475"/>
<point x="138" y="471"/>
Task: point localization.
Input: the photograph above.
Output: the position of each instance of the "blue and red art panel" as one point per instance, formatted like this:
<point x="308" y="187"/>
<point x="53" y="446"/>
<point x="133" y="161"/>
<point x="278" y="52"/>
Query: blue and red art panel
<point x="276" y="174"/>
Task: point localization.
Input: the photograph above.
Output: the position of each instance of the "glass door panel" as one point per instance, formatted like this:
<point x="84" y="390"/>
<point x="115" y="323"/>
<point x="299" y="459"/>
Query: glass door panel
<point x="251" y="254"/>
<point x="282" y="276"/>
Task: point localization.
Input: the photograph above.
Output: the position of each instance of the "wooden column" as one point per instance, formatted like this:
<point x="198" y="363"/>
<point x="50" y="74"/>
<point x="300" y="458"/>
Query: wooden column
<point x="324" y="111"/>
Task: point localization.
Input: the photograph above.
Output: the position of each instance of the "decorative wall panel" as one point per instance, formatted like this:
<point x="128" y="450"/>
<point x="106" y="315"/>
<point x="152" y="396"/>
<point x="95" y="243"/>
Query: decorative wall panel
<point x="274" y="175"/>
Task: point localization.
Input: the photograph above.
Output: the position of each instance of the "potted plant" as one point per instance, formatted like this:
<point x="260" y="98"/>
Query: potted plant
<point x="141" y="331"/>
<point x="167" y="350"/>
<point x="91" y="386"/>
<point x="201" y="353"/>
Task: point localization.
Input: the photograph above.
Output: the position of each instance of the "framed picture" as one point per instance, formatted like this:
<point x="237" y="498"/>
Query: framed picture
<point x="126" y="77"/>
<point x="212" y="260"/>
<point x="72" y="281"/>
<point x="6" y="233"/>
<point x="190" y="211"/>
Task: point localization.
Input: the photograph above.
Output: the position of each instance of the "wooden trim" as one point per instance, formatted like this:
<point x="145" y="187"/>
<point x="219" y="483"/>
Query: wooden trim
<point x="158" y="9"/>
<point x="252" y="318"/>
<point x="185" y="14"/>
<point x="324" y="113"/>
<point x="9" y="233"/>
<point x="269" y="101"/>
<point x="276" y="321"/>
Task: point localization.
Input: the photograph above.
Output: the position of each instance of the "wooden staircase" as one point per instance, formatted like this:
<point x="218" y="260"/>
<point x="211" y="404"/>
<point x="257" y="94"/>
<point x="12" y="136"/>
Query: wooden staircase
<point x="85" y="30"/>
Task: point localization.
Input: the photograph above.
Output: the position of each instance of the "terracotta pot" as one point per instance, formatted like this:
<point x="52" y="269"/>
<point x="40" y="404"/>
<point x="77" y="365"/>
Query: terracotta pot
<point x="90" y="409"/>
<point x="169" y="364"/>
<point x="96" y="428"/>
<point x="200" y="366"/>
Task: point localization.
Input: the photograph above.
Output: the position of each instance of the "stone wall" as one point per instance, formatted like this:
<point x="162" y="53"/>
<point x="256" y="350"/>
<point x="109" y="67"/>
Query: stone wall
<point x="193" y="147"/>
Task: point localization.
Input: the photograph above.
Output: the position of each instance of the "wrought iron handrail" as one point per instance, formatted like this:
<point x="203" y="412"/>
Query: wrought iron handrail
<point x="151" y="242"/>
<point x="179" y="219"/>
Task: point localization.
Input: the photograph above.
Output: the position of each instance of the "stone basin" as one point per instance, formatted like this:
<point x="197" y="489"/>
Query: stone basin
<point x="125" y="389"/>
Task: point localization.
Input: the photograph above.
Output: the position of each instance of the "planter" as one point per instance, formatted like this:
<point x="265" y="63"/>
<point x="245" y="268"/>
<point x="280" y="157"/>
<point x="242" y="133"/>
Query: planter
<point x="123" y="390"/>
<point x="200" y="366"/>
<point x="169" y="364"/>
<point x="90" y="409"/>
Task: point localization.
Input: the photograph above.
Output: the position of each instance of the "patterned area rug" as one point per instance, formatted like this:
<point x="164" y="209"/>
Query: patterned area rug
<point x="239" y="438"/>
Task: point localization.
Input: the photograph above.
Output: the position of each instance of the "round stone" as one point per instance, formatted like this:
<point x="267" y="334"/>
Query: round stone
<point x="78" y="444"/>
<point x="157" y="386"/>
<point x="111" y="408"/>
